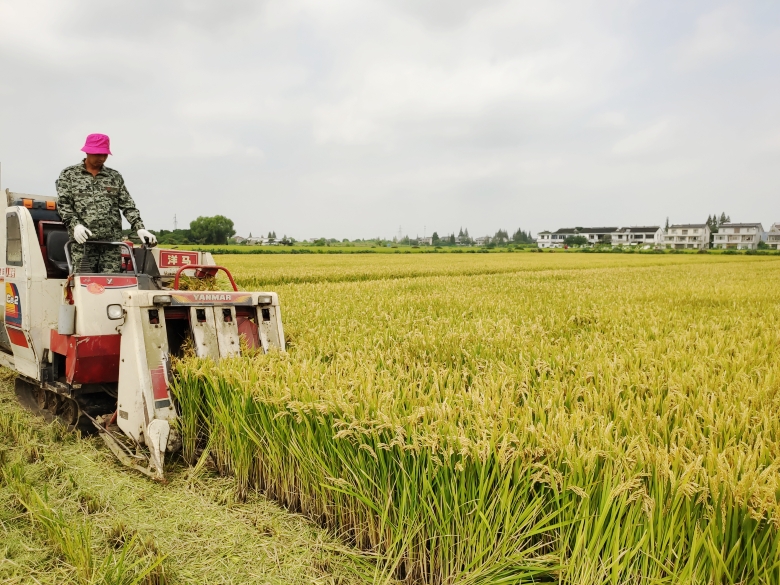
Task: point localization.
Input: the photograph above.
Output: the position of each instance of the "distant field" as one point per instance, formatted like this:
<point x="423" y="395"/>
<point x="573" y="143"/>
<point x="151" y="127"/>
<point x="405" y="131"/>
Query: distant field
<point x="495" y="418"/>
<point x="344" y="248"/>
<point x="254" y="271"/>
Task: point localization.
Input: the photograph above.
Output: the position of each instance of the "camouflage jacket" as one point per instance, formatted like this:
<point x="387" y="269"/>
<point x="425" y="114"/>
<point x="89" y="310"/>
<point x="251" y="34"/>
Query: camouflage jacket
<point x="95" y="202"/>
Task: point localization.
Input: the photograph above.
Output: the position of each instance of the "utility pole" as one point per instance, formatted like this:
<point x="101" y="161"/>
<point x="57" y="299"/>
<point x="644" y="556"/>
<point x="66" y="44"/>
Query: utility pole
<point x="175" y="223"/>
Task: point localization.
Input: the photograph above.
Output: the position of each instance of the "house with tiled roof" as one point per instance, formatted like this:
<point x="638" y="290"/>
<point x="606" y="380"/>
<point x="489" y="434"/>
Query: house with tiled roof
<point x="682" y="236"/>
<point x="638" y="236"/>
<point x="557" y="239"/>
<point x="773" y="237"/>
<point x="740" y="236"/>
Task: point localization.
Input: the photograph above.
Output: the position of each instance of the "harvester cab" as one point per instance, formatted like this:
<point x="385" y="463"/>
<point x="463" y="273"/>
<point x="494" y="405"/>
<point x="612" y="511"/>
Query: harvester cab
<point x="95" y="349"/>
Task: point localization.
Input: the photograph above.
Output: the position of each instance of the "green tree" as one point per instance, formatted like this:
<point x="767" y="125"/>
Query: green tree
<point x="575" y="240"/>
<point x="435" y="239"/>
<point x="212" y="230"/>
<point x="173" y="237"/>
<point x="501" y="237"/>
<point x="522" y="237"/>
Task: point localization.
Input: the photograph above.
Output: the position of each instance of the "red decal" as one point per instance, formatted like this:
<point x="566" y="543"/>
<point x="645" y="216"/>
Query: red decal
<point x="170" y="259"/>
<point x="17" y="336"/>
<point x="159" y="385"/>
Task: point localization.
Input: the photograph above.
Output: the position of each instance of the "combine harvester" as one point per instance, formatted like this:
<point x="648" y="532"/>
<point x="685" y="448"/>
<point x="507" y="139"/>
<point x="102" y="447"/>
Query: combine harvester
<point x="95" y="349"/>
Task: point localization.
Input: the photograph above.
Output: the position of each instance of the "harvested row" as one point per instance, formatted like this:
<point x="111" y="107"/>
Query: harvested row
<point x="594" y="425"/>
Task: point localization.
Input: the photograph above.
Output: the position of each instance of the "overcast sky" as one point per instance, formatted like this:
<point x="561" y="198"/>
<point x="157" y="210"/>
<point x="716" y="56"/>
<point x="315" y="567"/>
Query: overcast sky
<point x="350" y="118"/>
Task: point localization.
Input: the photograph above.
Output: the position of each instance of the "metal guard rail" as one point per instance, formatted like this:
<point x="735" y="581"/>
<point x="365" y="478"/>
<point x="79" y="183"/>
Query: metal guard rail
<point x="203" y="267"/>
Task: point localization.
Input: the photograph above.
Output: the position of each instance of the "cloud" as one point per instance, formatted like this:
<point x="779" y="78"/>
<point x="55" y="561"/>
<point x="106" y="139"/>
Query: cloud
<point x="608" y="120"/>
<point x="347" y="118"/>
<point x="718" y="34"/>
<point x="648" y="139"/>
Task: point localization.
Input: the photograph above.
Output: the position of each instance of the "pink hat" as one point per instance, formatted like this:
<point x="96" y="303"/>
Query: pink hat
<point x="97" y="144"/>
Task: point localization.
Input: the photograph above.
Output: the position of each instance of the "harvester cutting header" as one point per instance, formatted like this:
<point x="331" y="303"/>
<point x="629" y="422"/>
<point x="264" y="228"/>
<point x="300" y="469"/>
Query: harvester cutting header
<point x="91" y="322"/>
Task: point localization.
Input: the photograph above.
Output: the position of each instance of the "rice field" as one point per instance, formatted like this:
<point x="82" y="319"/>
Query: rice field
<point x="512" y="418"/>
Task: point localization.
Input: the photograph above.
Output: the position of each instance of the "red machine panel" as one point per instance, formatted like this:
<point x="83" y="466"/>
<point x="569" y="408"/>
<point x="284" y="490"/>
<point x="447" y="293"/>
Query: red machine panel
<point x="91" y="359"/>
<point x="17" y="336"/>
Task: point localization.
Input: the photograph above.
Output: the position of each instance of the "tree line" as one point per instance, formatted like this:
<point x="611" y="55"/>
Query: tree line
<point x="216" y="229"/>
<point x="500" y="238"/>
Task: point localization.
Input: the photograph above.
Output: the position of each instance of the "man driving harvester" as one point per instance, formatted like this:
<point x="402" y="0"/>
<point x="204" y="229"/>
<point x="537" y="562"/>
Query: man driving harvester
<point x="91" y="197"/>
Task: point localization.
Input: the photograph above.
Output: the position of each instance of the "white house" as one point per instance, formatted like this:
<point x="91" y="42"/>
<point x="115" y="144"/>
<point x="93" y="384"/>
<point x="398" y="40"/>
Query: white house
<point x="773" y="237"/>
<point x="683" y="236"/>
<point x="597" y="235"/>
<point x="425" y="241"/>
<point x="638" y="236"/>
<point x="557" y="239"/>
<point x="483" y="241"/>
<point x="543" y="239"/>
<point x="554" y="239"/>
<point x="742" y="236"/>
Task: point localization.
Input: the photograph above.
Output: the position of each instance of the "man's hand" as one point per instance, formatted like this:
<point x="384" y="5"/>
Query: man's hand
<point x="81" y="234"/>
<point x="147" y="237"/>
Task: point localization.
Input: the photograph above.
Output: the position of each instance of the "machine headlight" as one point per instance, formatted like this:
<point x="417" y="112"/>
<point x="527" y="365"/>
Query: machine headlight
<point x="161" y="299"/>
<point x="115" y="312"/>
<point x="264" y="300"/>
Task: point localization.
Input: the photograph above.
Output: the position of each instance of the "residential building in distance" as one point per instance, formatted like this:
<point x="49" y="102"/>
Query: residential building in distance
<point x="682" y="236"/>
<point x="557" y="239"/>
<point x="597" y="235"/>
<point x="554" y="239"/>
<point x="638" y="236"/>
<point x="543" y="239"/>
<point x="425" y="241"/>
<point x="483" y="241"/>
<point x="740" y="236"/>
<point x="773" y="237"/>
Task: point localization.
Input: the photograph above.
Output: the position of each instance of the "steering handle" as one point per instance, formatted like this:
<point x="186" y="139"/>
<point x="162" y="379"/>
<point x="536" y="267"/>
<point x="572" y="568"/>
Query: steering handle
<point x="70" y="243"/>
